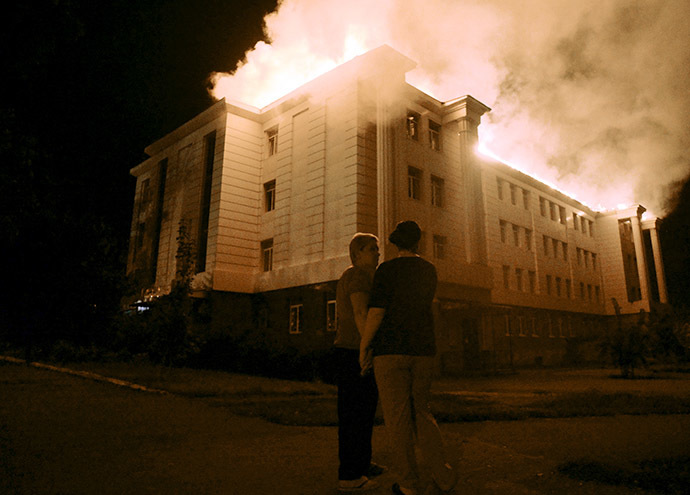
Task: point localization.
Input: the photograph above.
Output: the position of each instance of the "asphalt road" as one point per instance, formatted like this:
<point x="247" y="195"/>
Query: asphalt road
<point x="62" y="434"/>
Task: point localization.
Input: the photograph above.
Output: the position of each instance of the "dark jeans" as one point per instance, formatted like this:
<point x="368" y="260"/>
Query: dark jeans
<point x="357" y="398"/>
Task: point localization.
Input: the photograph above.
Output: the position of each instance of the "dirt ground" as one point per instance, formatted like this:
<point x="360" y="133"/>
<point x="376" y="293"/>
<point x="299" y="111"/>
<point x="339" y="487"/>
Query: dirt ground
<point x="63" y="434"/>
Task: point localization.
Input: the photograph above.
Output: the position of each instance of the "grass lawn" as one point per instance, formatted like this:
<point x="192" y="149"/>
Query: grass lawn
<point x="530" y="394"/>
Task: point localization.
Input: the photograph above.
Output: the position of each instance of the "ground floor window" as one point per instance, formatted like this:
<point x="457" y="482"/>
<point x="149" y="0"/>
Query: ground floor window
<point x="296" y="316"/>
<point x="331" y="315"/>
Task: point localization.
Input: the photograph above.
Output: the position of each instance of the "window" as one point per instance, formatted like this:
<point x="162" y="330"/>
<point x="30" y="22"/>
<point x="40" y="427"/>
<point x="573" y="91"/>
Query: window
<point x="267" y="255"/>
<point x="575" y="221"/>
<point x="414" y="183"/>
<point x="412" y="124"/>
<point x="565" y="251"/>
<point x="528" y="239"/>
<point x="437" y="191"/>
<point x="558" y="286"/>
<point x="591" y="228"/>
<point x="548" y="284"/>
<point x="270" y="196"/>
<point x="513" y="194"/>
<point x="506" y="277"/>
<point x="555" y="243"/>
<point x="594" y="261"/>
<point x="583" y="224"/>
<point x="518" y="278"/>
<point x="331" y="315"/>
<point x="533" y="325"/>
<point x="589" y="292"/>
<point x="499" y="187"/>
<point x="521" y="326"/>
<point x="145" y="192"/>
<point x="434" y="135"/>
<point x="525" y="199"/>
<point x="532" y="276"/>
<point x="586" y="259"/>
<point x="439" y="247"/>
<point x="296" y="316"/>
<point x="542" y="206"/>
<point x="516" y="235"/>
<point x="272" y="141"/>
<point x="568" y="288"/>
<point x="504" y="227"/>
<point x="561" y="214"/>
<point x="546" y="246"/>
<point x="597" y="293"/>
<point x="553" y="210"/>
<point x="579" y="256"/>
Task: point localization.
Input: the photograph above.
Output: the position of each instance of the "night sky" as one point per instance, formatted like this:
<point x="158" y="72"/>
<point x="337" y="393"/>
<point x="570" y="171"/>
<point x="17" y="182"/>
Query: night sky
<point x="88" y="86"/>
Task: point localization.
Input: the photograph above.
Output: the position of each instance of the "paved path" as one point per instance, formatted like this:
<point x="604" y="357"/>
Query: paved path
<point x="64" y="434"/>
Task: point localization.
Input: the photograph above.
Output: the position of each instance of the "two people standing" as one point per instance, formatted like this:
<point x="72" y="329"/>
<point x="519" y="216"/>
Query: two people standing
<point x="398" y="342"/>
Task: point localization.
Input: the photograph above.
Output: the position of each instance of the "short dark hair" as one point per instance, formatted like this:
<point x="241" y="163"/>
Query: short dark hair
<point x="406" y="235"/>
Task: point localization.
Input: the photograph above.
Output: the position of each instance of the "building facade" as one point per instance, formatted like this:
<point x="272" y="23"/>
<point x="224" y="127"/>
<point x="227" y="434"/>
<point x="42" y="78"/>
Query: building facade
<point x="270" y="198"/>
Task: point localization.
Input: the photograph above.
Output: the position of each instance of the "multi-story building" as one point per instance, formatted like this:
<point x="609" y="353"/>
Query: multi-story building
<point x="271" y="197"/>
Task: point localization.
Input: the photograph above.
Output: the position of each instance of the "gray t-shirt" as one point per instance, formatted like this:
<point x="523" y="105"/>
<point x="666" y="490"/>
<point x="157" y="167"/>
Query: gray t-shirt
<point x="352" y="280"/>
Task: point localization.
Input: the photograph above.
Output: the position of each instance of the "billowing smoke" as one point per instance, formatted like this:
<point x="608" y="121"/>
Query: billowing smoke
<point x="591" y="96"/>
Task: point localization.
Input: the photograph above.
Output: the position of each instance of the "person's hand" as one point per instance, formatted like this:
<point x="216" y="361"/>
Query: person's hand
<point x="366" y="360"/>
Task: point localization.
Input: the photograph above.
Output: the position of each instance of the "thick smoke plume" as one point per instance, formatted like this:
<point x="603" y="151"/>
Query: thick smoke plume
<point x="590" y="96"/>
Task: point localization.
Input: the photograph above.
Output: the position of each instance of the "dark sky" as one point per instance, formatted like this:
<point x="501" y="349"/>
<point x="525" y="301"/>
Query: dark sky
<point x="88" y="86"/>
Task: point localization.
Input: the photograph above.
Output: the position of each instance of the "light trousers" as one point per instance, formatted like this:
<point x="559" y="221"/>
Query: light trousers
<point x="404" y="384"/>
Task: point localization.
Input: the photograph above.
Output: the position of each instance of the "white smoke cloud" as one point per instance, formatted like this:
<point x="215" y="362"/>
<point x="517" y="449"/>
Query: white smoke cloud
<point x="592" y="96"/>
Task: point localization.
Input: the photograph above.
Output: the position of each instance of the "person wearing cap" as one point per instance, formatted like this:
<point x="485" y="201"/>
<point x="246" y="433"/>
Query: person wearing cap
<point x="399" y="342"/>
<point x="357" y="393"/>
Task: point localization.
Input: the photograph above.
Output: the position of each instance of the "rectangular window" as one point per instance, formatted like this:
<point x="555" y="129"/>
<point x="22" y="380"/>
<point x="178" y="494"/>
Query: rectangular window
<point x="434" y="135"/>
<point x="597" y="293"/>
<point x="296" y="316"/>
<point x="553" y="209"/>
<point x="504" y="230"/>
<point x="145" y="192"/>
<point x="579" y="256"/>
<point x="270" y="195"/>
<point x="518" y="278"/>
<point x="513" y="194"/>
<point x="525" y="199"/>
<point x="565" y="251"/>
<point x="594" y="261"/>
<point x="528" y="239"/>
<point x="521" y="326"/>
<point x="583" y="224"/>
<point x="272" y="141"/>
<point x="576" y="220"/>
<point x="561" y="214"/>
<point x="499" y="187"/>
<point x="267" y="255"/>
<point x="586" y="258"/>
<point x="558" y="286"/>
<point x="591" y="228"/>
<point x="555" y="243"/>
<point x="532" y="281"/>
<point x="437" y="191"/>
<point x="331" y="316"/>
<point x="542" y="206"/>
<point x="439" y="247"/>
<point x="546" y="246"/>
<point x="414" y="183"/>
<point x="589" y="292"/>
<point x="548" y="284"/>
<point x="506" y="277"/>
<point x="568" y="288"/>
<point x="412" y="124"/>
<point x="516" y="235"/>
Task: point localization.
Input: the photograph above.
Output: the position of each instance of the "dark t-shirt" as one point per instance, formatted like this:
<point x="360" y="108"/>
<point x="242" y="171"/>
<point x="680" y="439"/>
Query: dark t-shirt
<point x="405" y="288"/>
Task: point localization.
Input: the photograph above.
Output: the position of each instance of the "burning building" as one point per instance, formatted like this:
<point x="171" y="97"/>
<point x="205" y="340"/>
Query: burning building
<point x="270" y="198"/>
